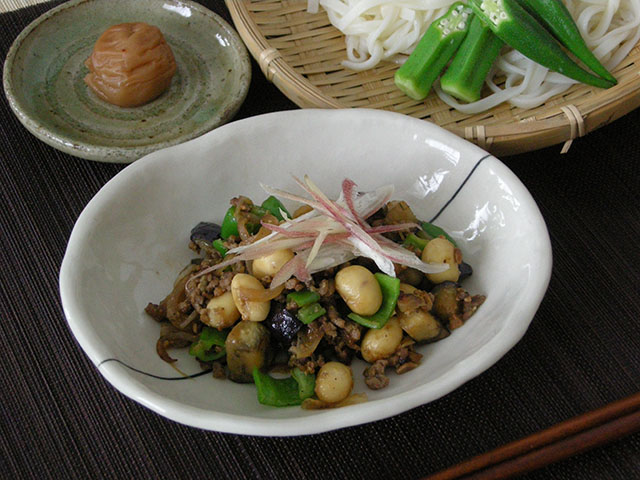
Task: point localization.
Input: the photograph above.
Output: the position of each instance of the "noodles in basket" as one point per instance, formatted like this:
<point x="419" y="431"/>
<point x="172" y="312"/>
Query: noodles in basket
<point x="377" y="30"/>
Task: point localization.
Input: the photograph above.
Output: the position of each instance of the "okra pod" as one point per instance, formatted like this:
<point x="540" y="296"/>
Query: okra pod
<point x="553" y="15"/>
<point x="518" y="29"/>
<point x="468" y="70"/>
<point x="431" y="55"/>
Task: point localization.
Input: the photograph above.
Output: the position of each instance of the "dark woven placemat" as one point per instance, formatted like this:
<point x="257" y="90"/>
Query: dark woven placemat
<point x="60" y="419"/>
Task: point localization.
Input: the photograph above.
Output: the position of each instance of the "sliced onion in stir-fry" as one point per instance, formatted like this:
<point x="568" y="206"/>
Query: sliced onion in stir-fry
<point x="257" y="295"/>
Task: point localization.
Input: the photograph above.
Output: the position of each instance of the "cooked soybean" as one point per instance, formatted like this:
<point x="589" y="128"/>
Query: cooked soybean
<point x="334" y="382"/>
<point x="271" y="264"/>
<point x="221" y="312"/>
<point x="359" y="289"/>
<point x="441" y="250"/>
<point x="251" y="311"/>
<point x="381" y="342"/>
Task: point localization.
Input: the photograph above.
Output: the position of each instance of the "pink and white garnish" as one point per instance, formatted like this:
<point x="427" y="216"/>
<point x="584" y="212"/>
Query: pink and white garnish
<point x="332" y="233"/>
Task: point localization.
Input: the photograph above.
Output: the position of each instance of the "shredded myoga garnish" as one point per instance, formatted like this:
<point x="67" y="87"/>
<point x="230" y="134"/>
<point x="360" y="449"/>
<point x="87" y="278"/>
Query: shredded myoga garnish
<point x="377" y="30"/>
<point x="306" y="293"/>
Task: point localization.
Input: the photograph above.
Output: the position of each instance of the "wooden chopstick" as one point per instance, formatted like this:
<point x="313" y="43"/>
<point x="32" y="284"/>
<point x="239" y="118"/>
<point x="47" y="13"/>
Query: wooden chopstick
<point x="581" y="433"/>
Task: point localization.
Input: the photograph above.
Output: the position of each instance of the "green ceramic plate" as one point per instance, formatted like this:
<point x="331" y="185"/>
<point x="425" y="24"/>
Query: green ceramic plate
<point x="44" y="72"/>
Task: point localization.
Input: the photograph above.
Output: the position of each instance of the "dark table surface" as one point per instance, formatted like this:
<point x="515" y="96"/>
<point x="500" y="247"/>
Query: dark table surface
<point x="60" y="419"/>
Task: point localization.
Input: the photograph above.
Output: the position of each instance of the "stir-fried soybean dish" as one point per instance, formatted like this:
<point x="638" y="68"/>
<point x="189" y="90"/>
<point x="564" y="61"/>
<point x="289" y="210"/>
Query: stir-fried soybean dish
<point x="287" y="300"/>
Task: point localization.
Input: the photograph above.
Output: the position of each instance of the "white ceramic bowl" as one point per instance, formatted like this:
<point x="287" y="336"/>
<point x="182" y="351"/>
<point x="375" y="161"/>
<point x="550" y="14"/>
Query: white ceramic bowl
<point x="131" y="241"/>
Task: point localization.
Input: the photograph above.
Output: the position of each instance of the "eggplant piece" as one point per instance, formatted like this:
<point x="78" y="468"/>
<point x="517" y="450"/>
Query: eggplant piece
<point x="445" y="301"/>
<point x="283" y="326"/>
<point x="465" y="271"/>
<point x="247" y="347"/>
<point x="411" y="276"/>
<point x="206" y="232"/>
<point x="422" y="326"/>
<point x="454" y="305"/>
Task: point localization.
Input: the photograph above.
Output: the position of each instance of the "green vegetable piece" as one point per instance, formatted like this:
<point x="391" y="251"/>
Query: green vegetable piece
<point x="209" y="338"/>
<point x="468" y="70"/>
<point x="259" y="211"/>
<point x="229" y="224"/>
<point x="556" y="18"/>
<point x="306" y="383"/>
<point x="415" y="241"/>
<point x="218" y="244"/>
<point x="284" y="392"/>
<point x="390" y="287"/>
<point x="303" y="298"/>
<point x="276" y="392"/>
<point x="518" y="29"/>
<point x="274" y="206"/>
<point x="309" y="313"/>
<point x="436" y="47"/>
<point x="434" y="232"/>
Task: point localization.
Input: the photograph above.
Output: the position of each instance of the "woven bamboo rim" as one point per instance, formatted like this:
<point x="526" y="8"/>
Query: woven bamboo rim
<point x="301" y="53"/>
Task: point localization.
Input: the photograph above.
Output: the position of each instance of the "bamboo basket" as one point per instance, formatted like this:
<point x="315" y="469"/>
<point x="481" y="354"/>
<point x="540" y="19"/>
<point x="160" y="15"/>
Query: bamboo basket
<point x="301" y="53"/>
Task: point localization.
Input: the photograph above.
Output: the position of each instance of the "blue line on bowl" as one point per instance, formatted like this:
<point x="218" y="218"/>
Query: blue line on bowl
<point x="199" y="374"/>
<point x="459" y="188"/>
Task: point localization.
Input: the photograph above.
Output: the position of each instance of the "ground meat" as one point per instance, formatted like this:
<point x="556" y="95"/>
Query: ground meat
<point x="292" y="284"/>
<point x="225" y="280"/>
<point x="157" y="312"/>
<point x="218" y="370"/>
<point x="336" y="338"/>
<point x="326" y="288"/>
<point x="418" y="299"/>
<point x="308" y="365"/>
<point x="470" y="305"/>
<point x="467" y="306"/>
<point x="403" y="359"/>
<point x="374" y="375"/>
<point x="330" y="330"/>
<point x="349" y="331"/>
<point x="185" y="307"/>
<point x="406" y="367"/>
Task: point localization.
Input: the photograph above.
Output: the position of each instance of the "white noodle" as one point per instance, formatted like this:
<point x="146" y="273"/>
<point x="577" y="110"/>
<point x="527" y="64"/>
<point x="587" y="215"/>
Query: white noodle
<point x="377" y="30"/>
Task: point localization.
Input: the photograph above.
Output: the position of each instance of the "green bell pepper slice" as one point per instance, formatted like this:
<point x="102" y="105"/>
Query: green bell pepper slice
<point x="218" y="244"/>
<point x="309" y="313"/>
<point x="303" y="298"/>
<point x="229" y="224"/>
<point x="283" y="392"/>
<point x="209" y="338"/>
<point x="415" y="241"/>
<point x="306" y="383"/>
<point x="274" y="206"/>
<point x="434" y="232"/>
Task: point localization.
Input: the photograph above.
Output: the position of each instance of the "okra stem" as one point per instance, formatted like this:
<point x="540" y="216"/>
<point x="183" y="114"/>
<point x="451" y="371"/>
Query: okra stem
<point x="468" y="70"/>
<point x="556" y="18"/>
<point x="517" y="28"/>
<point x="435" y="48"/>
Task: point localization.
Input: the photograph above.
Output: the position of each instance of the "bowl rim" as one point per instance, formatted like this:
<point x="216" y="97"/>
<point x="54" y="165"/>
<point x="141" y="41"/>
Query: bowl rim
<point x="325" y="420"/>
<point x="101" y="153"/>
